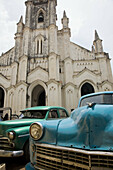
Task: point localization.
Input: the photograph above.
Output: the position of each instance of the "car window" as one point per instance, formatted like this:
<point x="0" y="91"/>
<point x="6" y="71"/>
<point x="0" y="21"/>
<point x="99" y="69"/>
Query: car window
<point x="38" y="114"/>
<point x="62" y="113"/>
<point x="53" y="114"/>
<point x="98" y="99"/>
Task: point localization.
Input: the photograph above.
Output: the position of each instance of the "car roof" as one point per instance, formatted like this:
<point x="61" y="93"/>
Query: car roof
<point x="94" y="94"/>
<point x="43" y="108"/>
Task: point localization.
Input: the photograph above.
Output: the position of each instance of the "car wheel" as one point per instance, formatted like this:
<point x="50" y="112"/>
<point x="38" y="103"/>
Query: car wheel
<point x="26" y="152"/>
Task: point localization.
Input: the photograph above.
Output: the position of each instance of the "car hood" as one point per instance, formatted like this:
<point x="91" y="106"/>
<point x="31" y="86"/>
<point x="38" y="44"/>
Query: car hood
<point x="50" y="128"/>
<point x="12" y="124"/>
<point x="88" y="128"/>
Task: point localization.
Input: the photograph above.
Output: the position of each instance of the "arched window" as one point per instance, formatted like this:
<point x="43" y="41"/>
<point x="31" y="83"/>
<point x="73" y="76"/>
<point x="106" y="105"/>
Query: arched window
<point x="41" y="17"/>
<point x="39" y="46"/>
<point x="38" y="96"/>
<point x="87" y="89"/>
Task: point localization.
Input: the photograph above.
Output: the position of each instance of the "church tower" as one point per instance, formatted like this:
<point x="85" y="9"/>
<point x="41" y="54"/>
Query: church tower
<point x="40" y="13"/>
<point x="40" y="42"/>
<point x="40" y="27"/>
<point x="103" y="59"/>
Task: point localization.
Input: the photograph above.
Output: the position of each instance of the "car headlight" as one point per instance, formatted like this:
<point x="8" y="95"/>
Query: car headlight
<point x="36" y="131"/>
<point x="11" y="135"/>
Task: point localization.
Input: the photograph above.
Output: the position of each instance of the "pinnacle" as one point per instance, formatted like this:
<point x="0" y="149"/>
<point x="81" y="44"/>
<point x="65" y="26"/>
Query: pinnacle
<point x="64" y="14"/>
<point x="21" y="19"/>
<point x="96" y="35"/>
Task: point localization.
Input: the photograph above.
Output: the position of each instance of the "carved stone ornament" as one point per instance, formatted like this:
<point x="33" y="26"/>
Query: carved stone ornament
<point x="40" y="1"/>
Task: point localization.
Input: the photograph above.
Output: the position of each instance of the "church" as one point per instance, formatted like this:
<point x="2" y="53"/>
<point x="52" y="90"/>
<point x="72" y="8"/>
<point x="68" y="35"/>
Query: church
<point x="45" y="67"/>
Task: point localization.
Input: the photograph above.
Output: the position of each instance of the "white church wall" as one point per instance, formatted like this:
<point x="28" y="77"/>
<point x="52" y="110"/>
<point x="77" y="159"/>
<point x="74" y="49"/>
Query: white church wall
<point x="87" y="75"/>
<point x="22" y="69"/>
<point x="38" y="74"/>
<point x="92" y="65"/>
<point x="53" y="94"/>
<point x="79" y="53"/>
<point x="7" y="58"/>
<point x="14" y="70"/>
<point x="6" y="71"/>
<point x="11" y="99"/>
<point x="69" y="97"/>
<point x="20" y="103"/>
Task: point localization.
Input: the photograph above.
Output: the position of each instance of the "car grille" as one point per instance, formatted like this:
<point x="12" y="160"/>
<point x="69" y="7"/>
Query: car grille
<point x="5" y="143"/>
<point x="52" y="157"/>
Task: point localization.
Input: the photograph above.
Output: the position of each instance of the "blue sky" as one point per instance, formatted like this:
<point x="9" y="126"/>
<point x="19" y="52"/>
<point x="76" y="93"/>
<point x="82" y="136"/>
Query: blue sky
<point x="85" y="16"/>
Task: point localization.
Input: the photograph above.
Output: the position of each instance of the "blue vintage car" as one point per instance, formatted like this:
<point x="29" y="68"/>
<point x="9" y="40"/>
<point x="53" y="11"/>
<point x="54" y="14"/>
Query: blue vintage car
<point x="82" y="141"/>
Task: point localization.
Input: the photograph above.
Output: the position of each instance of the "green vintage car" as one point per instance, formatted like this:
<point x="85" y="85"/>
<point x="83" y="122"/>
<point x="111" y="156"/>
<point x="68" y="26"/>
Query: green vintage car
<point x="14" y="134"/>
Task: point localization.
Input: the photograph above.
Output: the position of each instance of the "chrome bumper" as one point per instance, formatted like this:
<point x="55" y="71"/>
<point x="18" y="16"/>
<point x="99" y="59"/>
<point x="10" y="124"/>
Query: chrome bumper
<point x="4" y="153"/>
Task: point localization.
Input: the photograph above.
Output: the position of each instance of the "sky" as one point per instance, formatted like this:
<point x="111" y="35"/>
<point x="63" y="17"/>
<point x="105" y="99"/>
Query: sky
<point x="85" y="16"/>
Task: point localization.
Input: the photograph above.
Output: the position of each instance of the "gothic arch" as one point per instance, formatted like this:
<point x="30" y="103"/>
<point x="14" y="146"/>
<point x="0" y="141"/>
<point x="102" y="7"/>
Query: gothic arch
<point x="87" y="88"/>
<point x="2" y="97"/>
<point x="39" y="41"/>
<point x="40" y="94"/>
<point x="41" y="15"/>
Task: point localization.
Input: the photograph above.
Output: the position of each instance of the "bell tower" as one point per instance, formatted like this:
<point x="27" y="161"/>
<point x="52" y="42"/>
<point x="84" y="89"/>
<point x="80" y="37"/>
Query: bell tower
<point x="40" y="13"/>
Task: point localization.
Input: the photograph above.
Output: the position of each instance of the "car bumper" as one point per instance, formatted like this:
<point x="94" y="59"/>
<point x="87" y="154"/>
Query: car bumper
<point x="4" y="153"/>
<point x="29" y="167"/>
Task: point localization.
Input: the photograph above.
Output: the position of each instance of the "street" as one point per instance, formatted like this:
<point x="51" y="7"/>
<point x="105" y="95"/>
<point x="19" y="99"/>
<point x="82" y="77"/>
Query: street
<point x="13" y="163"/>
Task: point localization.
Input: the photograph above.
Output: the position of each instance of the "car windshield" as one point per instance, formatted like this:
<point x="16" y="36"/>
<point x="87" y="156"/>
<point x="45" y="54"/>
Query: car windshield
<point x="98" y="99"/>
<point x="38" y="114"/>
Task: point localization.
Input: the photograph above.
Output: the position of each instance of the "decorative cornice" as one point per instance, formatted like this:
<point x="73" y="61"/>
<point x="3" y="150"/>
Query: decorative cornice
<point x="54" y="81"/>
<point x="37" y="68"/>
<point x="86" y="69"/>
<point x="69" y="84"/>
<point x="21" y="83"/>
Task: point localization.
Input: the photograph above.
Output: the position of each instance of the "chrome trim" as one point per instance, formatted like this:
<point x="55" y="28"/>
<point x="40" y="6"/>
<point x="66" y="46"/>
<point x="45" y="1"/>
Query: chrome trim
<point x="77" y="150"/>
<point x="20" y="136"/>
<point x="38" y="168"/>
<point x="58" y="157"/>
<point x="4" y="153"/>
<point x="6" y="142"/>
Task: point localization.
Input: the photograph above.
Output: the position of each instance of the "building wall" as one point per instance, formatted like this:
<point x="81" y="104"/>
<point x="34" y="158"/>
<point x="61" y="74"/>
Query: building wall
<point x="44" y="58"/>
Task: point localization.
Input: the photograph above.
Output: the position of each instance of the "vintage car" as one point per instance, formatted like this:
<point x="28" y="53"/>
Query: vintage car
<point x="82" y="141"/>
<point x="14" y="134"/>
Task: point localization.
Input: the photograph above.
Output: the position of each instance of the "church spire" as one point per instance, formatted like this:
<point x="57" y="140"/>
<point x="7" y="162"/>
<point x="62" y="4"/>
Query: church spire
<point x="96" y="35"/>
<point x="98" y="43"/>
<point x="20" y="25"/>
<point x="64" y="14"/>
<point x="65" y="20"/>
<point x="21" y="19"/>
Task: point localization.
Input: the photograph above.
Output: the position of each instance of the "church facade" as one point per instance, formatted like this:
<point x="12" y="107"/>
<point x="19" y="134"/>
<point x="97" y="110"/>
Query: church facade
<point x="45" y="67"/>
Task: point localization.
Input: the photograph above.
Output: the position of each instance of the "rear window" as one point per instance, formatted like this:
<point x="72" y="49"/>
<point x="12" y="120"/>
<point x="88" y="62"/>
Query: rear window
<point x="98" y="99"/>
<point x="38" y="114"/>
<point x="62" y="113"/>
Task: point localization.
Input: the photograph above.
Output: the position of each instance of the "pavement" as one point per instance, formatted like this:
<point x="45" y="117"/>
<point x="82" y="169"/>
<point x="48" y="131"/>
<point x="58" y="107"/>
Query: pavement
<point x="12" y="163"/>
